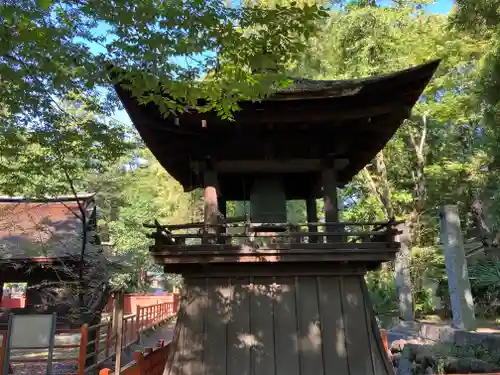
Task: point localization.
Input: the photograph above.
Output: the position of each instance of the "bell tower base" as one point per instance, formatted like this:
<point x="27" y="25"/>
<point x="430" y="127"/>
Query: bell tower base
<point x="293" y="324"/>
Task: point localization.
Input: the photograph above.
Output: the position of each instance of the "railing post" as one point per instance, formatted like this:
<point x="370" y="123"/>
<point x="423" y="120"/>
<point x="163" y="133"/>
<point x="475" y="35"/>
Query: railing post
<point x="125" y="332"/>
<point x="138" y="323"/>
<point x="3" y="349"/>
<point x="97" y="343"/>
<point x="139" y="359"/>
<point x="383" y="334"/>
<point x="119" y="332"/>
<point x="82" y="355"/>
<point x="176" y="304"/>
<point x="108" y="340"/>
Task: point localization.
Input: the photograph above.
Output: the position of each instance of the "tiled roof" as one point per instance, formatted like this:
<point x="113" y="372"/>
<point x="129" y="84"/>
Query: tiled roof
<point x="304" y="87"/>
<point x="41" y="229"/>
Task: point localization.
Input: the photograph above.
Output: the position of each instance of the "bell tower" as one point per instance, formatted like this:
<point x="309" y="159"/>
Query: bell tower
<point x="268" y="297"/>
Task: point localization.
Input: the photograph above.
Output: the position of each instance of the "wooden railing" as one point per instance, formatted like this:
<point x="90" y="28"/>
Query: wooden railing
<point x="151" y="362"/>
<point x="97" y="342"/>
<point x="262" y="234"/>
<point x="150" y="316"/>
<point x="63" y="353"/>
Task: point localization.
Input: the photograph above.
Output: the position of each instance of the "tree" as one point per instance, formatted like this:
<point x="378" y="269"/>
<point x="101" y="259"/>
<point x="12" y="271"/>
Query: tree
<point x="49" y="160"/>
<point x="438" y="155"/>
<point x="50" y="49"/>
<point x="371" y="40"/>
<point x="481" y="20"/>
<point x="134" y="193"/>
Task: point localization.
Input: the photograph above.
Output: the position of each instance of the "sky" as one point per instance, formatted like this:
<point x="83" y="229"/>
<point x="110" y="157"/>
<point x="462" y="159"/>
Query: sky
<point x="438" y="7"/>
<point x="441" y="6"/>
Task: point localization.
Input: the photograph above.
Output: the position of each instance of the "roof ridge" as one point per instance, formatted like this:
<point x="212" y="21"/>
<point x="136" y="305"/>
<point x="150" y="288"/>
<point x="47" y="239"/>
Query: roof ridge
<point x="55" y="199"/>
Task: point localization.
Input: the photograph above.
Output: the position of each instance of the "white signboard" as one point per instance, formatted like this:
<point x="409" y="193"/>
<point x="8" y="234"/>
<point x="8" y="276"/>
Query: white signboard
<point x="30" y="332"/>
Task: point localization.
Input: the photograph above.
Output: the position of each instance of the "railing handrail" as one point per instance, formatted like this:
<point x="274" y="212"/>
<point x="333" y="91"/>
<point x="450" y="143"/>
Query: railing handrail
<point x="286" y="234"/>
<point x="223" y="224"/>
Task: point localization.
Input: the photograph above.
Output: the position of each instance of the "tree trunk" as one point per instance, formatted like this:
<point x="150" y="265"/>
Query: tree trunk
<point x="419" y="183"/>
<point x="379" y="186"/>
<point x="385" y="194"/>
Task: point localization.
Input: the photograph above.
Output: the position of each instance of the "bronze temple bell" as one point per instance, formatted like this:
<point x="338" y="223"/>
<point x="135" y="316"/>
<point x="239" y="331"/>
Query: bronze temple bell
<point x="261" y="296"/>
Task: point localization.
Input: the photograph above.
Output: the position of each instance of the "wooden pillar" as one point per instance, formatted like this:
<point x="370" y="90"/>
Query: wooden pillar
<point x="312" y="217"/>
<point x="462" y="304"/>
<point x="330" y="198"/>
<point x="211" y="203"/>
<point x="403" y="279"/>
<point x="222" y="207"/>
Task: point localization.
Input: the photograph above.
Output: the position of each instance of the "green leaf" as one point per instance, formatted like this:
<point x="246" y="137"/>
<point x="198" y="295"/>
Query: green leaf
<point x="45" y="4"/>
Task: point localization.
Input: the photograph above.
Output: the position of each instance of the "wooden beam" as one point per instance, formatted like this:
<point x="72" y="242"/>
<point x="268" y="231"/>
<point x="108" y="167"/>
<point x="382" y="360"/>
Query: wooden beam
<point x="275" y="166"/>
<point x="326" y="109"/>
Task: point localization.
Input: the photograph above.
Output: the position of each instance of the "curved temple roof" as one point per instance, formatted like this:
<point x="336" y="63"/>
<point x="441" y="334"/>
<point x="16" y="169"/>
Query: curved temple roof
<point x="299" y="126"/>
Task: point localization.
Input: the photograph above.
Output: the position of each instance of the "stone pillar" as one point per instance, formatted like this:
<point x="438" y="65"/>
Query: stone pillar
<point x="312" y="217"/>
<point x="403" y="279"/>
<point x="456" y="267"/>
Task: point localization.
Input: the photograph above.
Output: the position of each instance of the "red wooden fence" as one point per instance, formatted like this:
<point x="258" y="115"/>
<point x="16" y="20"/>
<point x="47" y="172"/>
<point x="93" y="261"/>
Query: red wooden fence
<point x="151" y="362"/>
<point x="132" y="300"/>
<point x="102" y="348"/>
<point x="12" y="303"/>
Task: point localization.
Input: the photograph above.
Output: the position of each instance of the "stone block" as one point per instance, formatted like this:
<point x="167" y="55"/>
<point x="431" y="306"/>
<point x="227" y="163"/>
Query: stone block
<point x="397" y="346"/>
<point x="447" y="334"/>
